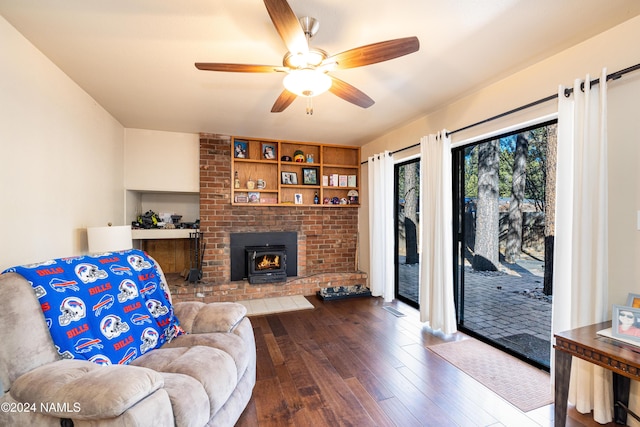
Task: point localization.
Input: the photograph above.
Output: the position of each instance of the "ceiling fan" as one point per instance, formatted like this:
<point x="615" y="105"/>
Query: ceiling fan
<point x="308" y="68"/>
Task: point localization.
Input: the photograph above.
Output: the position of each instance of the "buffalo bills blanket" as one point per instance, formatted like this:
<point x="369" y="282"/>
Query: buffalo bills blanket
<point x="108" y="308"/>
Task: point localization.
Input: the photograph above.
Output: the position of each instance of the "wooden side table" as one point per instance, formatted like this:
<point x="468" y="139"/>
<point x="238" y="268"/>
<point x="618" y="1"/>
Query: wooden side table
<point x="619" y="357"/>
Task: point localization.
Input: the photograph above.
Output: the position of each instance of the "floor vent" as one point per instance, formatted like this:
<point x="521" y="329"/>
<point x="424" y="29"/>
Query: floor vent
<point x="393" y="311"/>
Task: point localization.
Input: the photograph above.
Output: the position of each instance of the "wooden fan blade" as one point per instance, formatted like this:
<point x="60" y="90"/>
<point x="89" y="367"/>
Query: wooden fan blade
<point x="284" y="100"/>
<point x="287" y="25"/>
<point x="349" y="93"/>
<point x="238" y="68"/>
<point x="373" y="53"/>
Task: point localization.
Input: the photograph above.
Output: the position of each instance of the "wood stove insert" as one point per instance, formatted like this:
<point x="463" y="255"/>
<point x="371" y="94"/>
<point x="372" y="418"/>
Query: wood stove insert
<point x="266" y="264"/>
<point x="240" y="241"/>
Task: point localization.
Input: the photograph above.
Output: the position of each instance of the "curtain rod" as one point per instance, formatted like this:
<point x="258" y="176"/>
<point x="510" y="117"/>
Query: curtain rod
<point x="567" y="92"/>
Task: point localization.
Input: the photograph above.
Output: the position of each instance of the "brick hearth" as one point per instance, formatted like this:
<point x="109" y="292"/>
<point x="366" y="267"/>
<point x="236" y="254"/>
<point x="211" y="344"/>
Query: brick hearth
<point x="327" y="237"/>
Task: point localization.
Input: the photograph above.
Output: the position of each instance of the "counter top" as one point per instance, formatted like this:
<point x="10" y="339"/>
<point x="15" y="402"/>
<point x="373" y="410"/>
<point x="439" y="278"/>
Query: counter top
<point x="161" y="233"/>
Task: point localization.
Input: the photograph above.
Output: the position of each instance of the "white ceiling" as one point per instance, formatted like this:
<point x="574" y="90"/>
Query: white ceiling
<point x="135" y="57"/>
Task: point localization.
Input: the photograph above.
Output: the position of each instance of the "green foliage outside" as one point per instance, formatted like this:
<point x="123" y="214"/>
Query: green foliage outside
<point x="535" y="178"/>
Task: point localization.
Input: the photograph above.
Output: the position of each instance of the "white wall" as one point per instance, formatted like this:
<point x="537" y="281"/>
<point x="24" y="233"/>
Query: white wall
<point x="162" y="161"/>
<point x="61" y="158"/>
<point x="615" y="49"/>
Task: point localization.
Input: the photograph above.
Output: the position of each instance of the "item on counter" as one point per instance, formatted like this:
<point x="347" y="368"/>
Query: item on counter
<point x="148" y="220"/>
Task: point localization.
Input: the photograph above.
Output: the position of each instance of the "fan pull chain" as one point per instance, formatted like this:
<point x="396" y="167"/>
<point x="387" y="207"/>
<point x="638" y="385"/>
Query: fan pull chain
<point x="309" y="106"/>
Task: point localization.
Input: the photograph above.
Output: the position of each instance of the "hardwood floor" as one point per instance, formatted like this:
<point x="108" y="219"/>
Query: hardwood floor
<point x="351" y="363"/>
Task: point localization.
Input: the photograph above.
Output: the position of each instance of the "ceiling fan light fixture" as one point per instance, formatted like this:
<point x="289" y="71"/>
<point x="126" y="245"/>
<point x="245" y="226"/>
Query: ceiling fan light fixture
<point x="307" y="82"/>
<point x="313" y="58"/>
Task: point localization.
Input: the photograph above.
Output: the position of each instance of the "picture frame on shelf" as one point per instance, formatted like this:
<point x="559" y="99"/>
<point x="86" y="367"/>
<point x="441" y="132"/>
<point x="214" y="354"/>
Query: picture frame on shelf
<point x="254" y="197"/>
<point x="240" y="150"/>
<point x="289" y="178"/>
<point x="297" y="198"/>
<point x="269" y="151"/>
<point x="310" y="176"/>
<point x="625" y="323"/>
<point x="633" y="300"/>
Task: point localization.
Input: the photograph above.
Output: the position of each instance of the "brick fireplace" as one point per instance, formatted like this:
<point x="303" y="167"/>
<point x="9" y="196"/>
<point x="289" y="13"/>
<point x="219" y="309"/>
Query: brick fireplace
<point x="327" y="237"/>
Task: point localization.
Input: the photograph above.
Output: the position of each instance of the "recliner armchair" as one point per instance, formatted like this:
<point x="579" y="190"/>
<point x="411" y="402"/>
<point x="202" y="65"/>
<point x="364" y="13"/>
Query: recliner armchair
<point x="203" y="377"/>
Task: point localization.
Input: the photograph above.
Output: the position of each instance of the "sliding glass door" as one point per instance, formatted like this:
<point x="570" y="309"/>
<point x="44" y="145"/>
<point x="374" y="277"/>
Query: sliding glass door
<point x="407" y="218"/>
<point x="504" y="225"/>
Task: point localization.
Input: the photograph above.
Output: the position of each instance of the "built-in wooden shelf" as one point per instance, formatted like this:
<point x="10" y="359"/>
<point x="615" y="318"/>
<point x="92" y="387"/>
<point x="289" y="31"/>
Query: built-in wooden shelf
<point x="332" y="172"/>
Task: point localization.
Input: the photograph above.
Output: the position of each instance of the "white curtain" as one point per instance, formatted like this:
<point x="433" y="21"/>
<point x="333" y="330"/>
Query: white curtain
<point x="436" y="221"/>
<point x="580" y="290"/>
<point x="381" y="240"/>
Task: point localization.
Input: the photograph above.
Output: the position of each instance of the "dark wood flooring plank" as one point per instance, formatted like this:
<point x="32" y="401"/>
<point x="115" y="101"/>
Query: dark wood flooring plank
<point x="370" y="404"/>
<point x="264" y="363"/>
<point x="274" y="350"/>
<point x="271" y="407"/>
<point x="395" y="410"/>
<point x="340" y="399"/>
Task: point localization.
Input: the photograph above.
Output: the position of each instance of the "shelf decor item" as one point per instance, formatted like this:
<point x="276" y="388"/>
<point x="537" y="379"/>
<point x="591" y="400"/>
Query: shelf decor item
<point x="298" y="156"/>
<point x="240" y="150"/>
<point x="310" y="176"/>
<point x="269" y="151"/>
<point x="289" y="178"/>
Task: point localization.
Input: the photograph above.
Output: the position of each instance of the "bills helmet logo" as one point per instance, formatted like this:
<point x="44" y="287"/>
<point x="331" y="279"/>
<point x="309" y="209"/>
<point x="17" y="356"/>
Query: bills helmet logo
<point x="39" y="291"/>
<point x="138" y="263"/>
<point x="156" y="308"/>
<point x="112" y="326"/>
<point x="65" y="354"/>
<point x="71" y="309"/>
<point x="171" y="332"/>
<point x="89" y="273"/>
<point x="128" y="290"/>
<point x="149" y="340"/>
